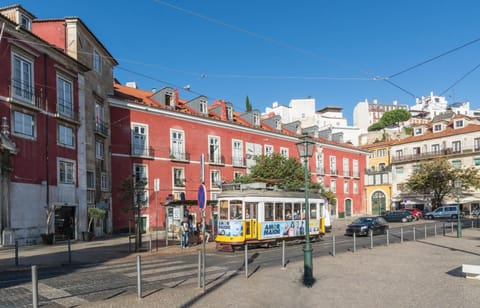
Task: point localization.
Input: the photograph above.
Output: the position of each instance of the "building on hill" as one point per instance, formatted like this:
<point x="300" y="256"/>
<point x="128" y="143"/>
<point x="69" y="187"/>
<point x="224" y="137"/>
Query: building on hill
<point x="367" y="113"/>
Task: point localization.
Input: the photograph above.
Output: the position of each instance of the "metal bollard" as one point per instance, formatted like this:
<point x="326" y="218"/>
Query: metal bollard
<point x="333" y="244"/>
<point x="472" y="223"/>
<point x="16" y="253"/>
<point x="451" y="226"/>
<point x="371" y="240"/>
<point x="150" y="243"/>
<point x="69" y="252"/>
<point x="246" y="261"/>
<point x="34" y="287"/>
<point x="401" y="235"/>
<point x="435" y="230"/>
<point x="199" y="268"/>
<point x="354" y="242"/>
<point x="425" y="231"/>
<point x="283" y="254"/>
<point x="444" y="229"/>
<point x="414" y="239"/>
<point x="139" y="278"/>
<point x="388" y="238"/>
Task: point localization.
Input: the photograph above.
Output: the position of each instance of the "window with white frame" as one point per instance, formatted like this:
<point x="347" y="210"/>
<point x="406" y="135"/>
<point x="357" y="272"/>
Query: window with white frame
<point x="256" y="119"/>
<point x="64" y="97"/>
<point x="139" y="140"/>
<point x="25" y="22"/>
<point x="268" y="150"/>
<point x="100" y="125"/>
<point x="382" y="153"/>
<point x="346" y="167"/>
<point x="416" y="150"/>
<point x="319" y="163"/>
<point x="356" y="172"/>
<point x="177" y="144"/>
<point x="476" y="144"/>
<point x="215" y="181"/>
<point x="284" y="152"/>
<point x="214" y="149"/>
<point x="140" y="185"/>
<point x="203" y="107"/>
<point x="399" y="153"/>
<point x="229" y="113"/>
<point x="99" y="149"/>
<point x="237" y="153"/>
<point x="90" y="187"/>
<point x="333" y="185"/>
<point x="458" y="123"/>
<point x="23" y="124"/>
<point x="456" y="146"/>
<point x="237" y="174"/>
<point x="333" y="165"/>
<point x="435" y="148"/>
<point x="66" y="137"/>
<point x="355" y="188"/>
<point x="22" y="79"/>
<point x="437" y="127"/>
<point x="476" y="161"/>
<point x="457" y="163"/>
<point x="104" y="181"/>
<point x="345" y="187"/>
<point x="66" y="171"/>
<point x="178" y="177"/>
<point x="97" y="62"/>
<point x="399" y="170"/>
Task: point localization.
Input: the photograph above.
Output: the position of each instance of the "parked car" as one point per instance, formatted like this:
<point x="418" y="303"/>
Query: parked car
<point x="416" y="213"/>
<point x="367" y="226"/>
<point x="398" y="216"/>
<point x="446" y="211"/>
<point x="475" y="212"/>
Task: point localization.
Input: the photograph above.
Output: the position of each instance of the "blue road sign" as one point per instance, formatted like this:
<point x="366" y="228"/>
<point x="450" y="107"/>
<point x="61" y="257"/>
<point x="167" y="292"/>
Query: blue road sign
<point x="202" y="196"/>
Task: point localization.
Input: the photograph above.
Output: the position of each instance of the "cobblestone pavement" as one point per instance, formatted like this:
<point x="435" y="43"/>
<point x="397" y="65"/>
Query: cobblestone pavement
<point x="422" y="273"/>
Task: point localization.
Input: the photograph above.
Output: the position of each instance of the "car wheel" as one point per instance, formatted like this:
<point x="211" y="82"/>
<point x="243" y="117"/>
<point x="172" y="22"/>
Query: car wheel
<point x="370" y="232"/>
<point x="404" y="219"/>
<point x="430" y="216"/>
<point x="454" y="216"/>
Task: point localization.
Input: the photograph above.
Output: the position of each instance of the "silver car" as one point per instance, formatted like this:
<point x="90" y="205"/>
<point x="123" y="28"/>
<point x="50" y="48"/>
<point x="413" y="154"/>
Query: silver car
<point x="446" y="211"/>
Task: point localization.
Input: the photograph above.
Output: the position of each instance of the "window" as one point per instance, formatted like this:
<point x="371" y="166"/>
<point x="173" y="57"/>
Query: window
<point x="437" y="127"/>
<point x="284" y="152"/>
<point x="418" y="131"/>
<point x="355" y="188"/>
<point x="90" y="187"/>
<point x="399" y="153"/>
<point x="214" y="150"/>
<point x="177" y="144"/>
<point x="399" y="170"/>
<point x="381" y="167"/>
<point x="235" y="209"/>
<point x="25" y="22"/>
<point x="203" y="107"/>
<point x="345" y="187"/>
<point x="279" y="211"/>
<point x="268" y="211"/>
<point x="99" y="150"/>
<point x="458" y="123"/>
<point x="237" y="153"/>
<point x="333" y="165"/>
<point x="457" y="164"/>
<point x="256" y="119"/>
<point x="476" y="144"/>
<point x="346" y="167"/>
<point x="23" y="124"/>
<point x="416" y="150"/>
<point x="229" y="113"/>
<point x="97" y="62"/>
<point x="104" y="181"/>
<point x="178" y="177"/>
<point x="140" y="183"/>
<point x="237" y="174"/>
<point x="456" y="146"/>
<point x="66" y="172"/>
<point x="64" y="97"/>
<point x="100" y="125"/>
<point x="139" y="140"/>
<point x="268" y="150"/>
<point x="215" y="180"/>
<point x="333" y="186"/>
<point x="476" y="161"/>
<point x="435" y="148"/>
<point x="381" y="153"/>
<point x="355" y="168"/>
<point x="22" y="79"/>
<point x="65" y="135"/>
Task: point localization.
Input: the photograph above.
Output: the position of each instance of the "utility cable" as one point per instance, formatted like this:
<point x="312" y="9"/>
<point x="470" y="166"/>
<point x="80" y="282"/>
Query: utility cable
<point x="461" y="78"/>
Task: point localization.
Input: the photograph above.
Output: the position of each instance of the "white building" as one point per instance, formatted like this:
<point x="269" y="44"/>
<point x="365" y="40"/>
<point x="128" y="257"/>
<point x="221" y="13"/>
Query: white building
<point x="367" y="113"/>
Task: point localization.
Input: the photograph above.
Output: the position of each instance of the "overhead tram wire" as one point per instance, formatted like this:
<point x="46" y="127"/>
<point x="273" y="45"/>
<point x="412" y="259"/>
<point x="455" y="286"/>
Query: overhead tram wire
<point x="399" y="87"/>
<point x="434" y="58"/>
<point x="460" y="79"/>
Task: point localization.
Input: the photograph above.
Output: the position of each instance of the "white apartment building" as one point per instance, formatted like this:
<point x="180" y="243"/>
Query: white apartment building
<point x="367" y="113"/>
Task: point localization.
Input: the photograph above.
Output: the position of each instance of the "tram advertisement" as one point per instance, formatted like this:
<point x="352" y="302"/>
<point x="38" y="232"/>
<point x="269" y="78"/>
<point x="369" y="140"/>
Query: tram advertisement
<point x="230" y="228"/>
<point x="292" y="228"/>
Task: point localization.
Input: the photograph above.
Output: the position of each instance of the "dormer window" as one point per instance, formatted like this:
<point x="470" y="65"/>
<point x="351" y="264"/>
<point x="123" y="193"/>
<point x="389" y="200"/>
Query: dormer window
<point x="168" y="100"/>
<point x="203" y="107"/>
<point x="437" y="128"/>
<point x="25" y="22"/>
<point x="256" y="119"/>
<point x="278" y="125"/>
<point x="418" y="131"/>
<point x="458" y="123"/>
<point x="229" y="113"/>
<point x="97" y="62"/>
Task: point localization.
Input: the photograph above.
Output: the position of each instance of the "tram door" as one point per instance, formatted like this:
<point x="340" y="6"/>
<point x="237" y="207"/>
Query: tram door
<point x="250" y="220"/>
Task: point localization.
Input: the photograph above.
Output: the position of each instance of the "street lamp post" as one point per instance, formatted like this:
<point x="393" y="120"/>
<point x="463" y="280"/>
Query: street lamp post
<point x="458" y="189"/>
<point x="305" y="150"/>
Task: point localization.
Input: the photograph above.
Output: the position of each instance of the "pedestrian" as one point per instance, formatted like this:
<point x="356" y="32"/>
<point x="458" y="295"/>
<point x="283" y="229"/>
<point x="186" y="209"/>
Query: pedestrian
<point x="186" y="229"/>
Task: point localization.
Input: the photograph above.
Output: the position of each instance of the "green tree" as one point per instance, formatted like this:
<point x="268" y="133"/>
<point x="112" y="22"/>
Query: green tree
<point x="437" y="177"/>
<point x="376" y="126"/>
<point x="248" y="106"/>
<point x="394" y="117"/>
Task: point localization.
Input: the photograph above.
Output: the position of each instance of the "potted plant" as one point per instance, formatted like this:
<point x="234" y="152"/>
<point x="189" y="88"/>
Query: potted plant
<point x="93" y="213"/>
<point x="48" y="237"/>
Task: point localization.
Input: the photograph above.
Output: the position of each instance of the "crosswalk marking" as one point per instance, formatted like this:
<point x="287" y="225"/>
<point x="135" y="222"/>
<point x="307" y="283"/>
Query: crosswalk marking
<point x="60" y="296"/>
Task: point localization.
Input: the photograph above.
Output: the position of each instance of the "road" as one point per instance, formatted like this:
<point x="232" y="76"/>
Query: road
<point x="69" y="286"/>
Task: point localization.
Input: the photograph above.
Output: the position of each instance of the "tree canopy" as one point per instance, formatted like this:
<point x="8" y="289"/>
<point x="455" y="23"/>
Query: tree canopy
<point x="286" y="173"/>
<point x="392" y="117"/>
<point x="436" y="178"/>
<point x="248" y="106"/>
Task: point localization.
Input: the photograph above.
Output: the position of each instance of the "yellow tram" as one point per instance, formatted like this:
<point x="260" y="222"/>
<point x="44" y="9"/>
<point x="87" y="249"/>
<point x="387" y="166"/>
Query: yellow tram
<point x="265" y="216"/>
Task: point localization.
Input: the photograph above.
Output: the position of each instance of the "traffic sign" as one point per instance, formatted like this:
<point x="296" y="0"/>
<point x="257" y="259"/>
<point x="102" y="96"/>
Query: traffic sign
<point x="202" y="196"/>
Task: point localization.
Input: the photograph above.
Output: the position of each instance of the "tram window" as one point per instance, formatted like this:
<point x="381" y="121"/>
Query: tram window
<point x="288" y="211"/>
<point x="235" y="209"/>
<point x="268" y="211"/>
<point x="278" y="211"/>
<point x="313" y="211"/>
<point x="251" y="210"/>
<point x="296" y="211"/>
<point x="224" y="209"/>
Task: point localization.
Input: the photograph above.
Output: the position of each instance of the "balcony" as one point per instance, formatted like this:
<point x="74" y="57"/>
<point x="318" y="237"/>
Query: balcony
<point x="334" y="172"/>
<point x="23" y="94"/>
<point x="429" y="155"/>
<point x="320" y="170"/>
<point x="238" y="161"/>
<point x="179" y="182"/>
<point x="179" y="156"/>
<point x="101" y="128"/>
<point x="346" y="173"/>
<point x="143" y="151"/>
<point x="379" y="171"/>
<point x="216" y="159"/>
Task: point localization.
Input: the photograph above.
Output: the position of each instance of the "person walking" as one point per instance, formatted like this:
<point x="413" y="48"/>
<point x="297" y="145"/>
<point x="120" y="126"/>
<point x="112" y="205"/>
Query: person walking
<point x="185" y="228"/>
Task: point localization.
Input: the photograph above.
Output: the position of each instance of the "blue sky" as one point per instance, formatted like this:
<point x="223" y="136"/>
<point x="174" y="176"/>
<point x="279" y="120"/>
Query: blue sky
<point x="338" y="52"/>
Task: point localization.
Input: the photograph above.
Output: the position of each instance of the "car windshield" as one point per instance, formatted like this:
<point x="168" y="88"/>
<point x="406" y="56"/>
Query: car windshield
<point x="363" y="220"/>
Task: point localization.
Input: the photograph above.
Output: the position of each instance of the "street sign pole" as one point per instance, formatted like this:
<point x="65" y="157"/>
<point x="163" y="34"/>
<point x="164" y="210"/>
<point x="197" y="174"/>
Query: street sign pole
<point x="156" y="188"/>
